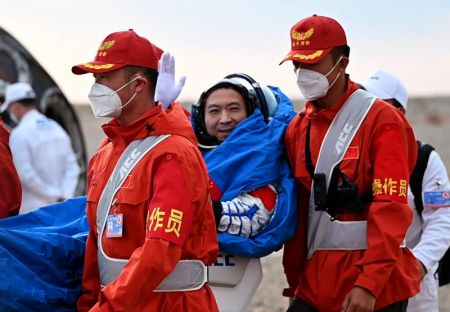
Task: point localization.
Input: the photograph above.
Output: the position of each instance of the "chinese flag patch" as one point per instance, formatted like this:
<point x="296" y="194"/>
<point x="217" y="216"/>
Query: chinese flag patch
<point x="352" y="153"/>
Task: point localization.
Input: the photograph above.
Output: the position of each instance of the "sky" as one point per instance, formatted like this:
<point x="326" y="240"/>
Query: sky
<point x="211" y="38"/>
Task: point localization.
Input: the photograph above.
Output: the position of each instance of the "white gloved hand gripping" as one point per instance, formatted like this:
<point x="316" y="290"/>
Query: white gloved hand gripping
<point x="166" y="90"/>
<point x="245" y="216"/>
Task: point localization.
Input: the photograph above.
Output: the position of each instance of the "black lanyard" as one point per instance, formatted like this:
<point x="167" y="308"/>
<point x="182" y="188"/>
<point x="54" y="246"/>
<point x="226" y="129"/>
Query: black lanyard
<point x="309" y="164"/>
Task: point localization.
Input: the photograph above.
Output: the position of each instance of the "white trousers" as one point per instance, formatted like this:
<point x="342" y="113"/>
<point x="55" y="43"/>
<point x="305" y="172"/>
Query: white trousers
<point x="427" y="300"/>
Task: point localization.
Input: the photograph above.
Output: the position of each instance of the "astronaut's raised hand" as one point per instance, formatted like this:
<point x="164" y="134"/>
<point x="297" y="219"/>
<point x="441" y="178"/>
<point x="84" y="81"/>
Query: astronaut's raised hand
<point x="245" y="216"/>
<point x="167" y="91"/>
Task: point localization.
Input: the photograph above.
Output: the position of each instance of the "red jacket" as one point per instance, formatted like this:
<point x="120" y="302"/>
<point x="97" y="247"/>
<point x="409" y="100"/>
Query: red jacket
<point x="167" y="217"/>
<point x="11" y="192"/>
<point x="379" y="160"/>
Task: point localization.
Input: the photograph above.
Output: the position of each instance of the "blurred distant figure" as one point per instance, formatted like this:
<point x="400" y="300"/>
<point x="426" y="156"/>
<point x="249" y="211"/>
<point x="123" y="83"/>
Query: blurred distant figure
<point x="41" y="149"/>
<point x="429" y="234"/>
<point x="10" y="191"/>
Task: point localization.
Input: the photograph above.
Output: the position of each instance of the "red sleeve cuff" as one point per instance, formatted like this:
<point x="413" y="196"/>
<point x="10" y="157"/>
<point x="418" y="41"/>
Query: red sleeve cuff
<point x="366" y="283"/>
<point x="292" y="276"/>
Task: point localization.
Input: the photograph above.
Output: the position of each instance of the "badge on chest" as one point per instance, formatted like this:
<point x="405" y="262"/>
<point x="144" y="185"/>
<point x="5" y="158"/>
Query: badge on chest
<point x="114" y="225"/>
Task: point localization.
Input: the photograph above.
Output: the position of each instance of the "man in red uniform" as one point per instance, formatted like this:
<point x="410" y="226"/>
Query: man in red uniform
<point x="11" y="192"/>
<point x="161" y="214"/>
<point x="368" y="186"/>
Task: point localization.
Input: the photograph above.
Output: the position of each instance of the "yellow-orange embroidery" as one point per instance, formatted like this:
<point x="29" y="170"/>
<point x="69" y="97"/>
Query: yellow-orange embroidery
<point x="310" y="56"/>
<point x="106" y="45"/>
<point x="157" y="218"/>
<point x="175" y="221"/>
<point x="377" y="187"/>
<point x="92" y="66"/>
<point x="390" y="186"/>
<point x="403" y="188"/>
<point x="304" y="35"/>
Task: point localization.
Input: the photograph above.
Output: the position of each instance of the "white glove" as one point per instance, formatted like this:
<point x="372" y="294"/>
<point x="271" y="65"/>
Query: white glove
<point x="166" y="90"/>
<point x="245" y="216"/>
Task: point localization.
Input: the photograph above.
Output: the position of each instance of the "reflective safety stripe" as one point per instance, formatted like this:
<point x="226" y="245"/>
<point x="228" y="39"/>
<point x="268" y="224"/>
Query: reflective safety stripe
<point x="188" y="274"/>
<point x="323" y="231"/>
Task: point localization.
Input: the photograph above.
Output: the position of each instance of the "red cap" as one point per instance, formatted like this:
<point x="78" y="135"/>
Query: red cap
<point x="120" y="49"/>
<point x="313" y="38"/>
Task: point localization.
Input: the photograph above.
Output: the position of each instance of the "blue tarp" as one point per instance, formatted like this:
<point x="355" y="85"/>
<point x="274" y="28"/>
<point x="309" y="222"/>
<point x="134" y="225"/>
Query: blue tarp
<point x="41" y="258"/>
<point x="253" y="156"/>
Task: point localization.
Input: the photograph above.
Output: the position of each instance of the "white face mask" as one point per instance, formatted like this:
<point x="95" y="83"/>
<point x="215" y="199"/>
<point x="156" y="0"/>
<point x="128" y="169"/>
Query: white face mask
<point x="105" y="102"/>
<point x="314" y="85"/>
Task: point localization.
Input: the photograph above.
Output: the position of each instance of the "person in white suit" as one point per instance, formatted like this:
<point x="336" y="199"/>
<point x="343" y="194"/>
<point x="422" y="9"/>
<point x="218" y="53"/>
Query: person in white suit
<point x="429" y="234"/>
<point x="42" y="151"/>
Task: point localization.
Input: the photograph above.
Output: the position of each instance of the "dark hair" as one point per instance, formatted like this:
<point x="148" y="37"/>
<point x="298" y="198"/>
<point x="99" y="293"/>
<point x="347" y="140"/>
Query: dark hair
<point x="28" y="102"/>
<point x="394" y="103"/>
<point x="339" y="51"/>
<point x="149" y="73"/>
<point x="248" y="98"/>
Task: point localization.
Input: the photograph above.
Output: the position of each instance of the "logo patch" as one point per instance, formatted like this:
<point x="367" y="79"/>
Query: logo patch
<point x="436" y="199"/>
<point x="301" y="38"/>
<point x="129" y="162"/>
<point x="343" y="136"/>
<point x="105" y="46"/>
<point x="352" y="153"/>
<point x="389" y="187"/>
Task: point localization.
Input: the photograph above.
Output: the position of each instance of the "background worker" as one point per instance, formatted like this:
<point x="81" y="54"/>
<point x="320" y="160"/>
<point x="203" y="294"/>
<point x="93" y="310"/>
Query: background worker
<point x="429" y="234"/>
<point x="41" y="149"/>
<point x="11" y="192"/>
